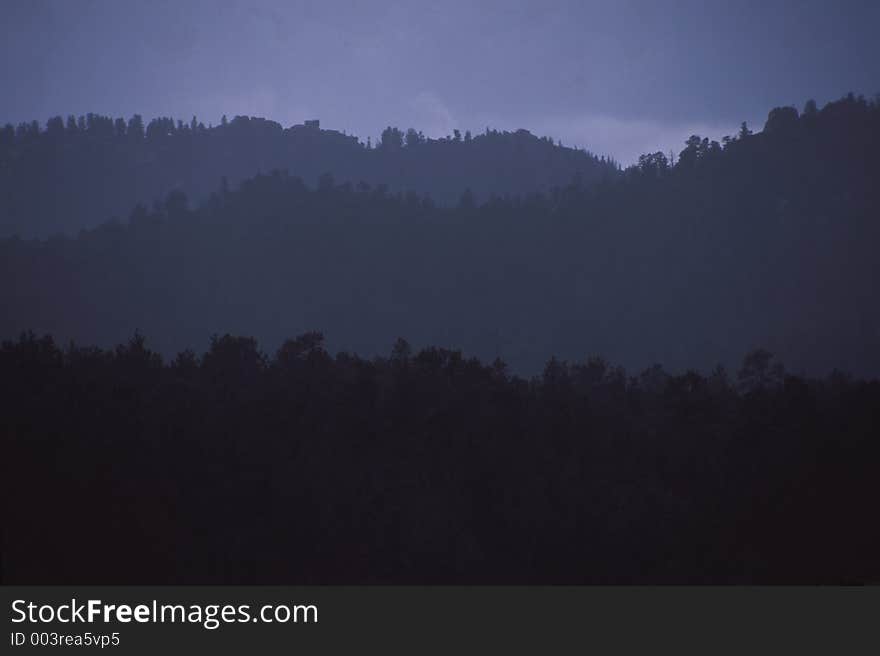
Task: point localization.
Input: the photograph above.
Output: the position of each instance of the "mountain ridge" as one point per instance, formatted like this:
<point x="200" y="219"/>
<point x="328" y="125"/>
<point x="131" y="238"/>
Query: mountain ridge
<point x="78" y="174"/>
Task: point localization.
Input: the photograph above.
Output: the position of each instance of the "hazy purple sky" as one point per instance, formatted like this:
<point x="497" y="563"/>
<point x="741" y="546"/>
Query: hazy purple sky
<point x="618" y="77"/>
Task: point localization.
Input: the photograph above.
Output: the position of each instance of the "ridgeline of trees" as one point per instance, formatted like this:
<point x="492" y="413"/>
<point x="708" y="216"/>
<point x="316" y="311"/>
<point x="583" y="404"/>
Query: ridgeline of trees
<point x="78" y="173"/>
<point x="766" y="239"/>
<point x="423" y="467"/>
<point x="134" y="465"/>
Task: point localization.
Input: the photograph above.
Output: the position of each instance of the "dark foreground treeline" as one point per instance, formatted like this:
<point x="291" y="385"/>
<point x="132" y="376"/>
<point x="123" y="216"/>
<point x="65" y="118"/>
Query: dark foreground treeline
<point x="428" y="467"/>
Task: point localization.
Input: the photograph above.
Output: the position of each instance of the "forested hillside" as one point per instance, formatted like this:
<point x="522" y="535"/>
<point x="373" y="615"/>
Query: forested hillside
<point x="81" y="172"/>
<point x="766" y="239"/>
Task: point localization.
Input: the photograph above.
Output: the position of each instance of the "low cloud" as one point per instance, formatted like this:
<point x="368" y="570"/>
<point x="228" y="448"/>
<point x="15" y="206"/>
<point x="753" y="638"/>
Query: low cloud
<point x="431" y="115"/>
<point x="626" y="139"/>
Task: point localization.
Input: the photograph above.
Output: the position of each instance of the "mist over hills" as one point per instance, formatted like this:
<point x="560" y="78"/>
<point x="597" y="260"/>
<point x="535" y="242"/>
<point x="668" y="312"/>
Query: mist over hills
<point x="256" y="351"/>
<point x="78" y="173"/>
<point x="766" y="239"/>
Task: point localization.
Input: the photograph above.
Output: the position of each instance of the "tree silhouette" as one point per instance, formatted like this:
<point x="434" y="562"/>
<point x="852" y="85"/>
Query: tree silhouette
<point x="341" y="469"/>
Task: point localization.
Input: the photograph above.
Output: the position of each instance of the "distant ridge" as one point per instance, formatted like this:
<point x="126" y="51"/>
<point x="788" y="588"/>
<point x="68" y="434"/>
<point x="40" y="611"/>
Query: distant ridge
<point x="78" y="173"/>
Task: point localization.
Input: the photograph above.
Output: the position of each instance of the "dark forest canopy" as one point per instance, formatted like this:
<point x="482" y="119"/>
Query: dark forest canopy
<point x="766" y="239"/>
<point x="80" y="172"/>
<point x="427" y="466"/>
